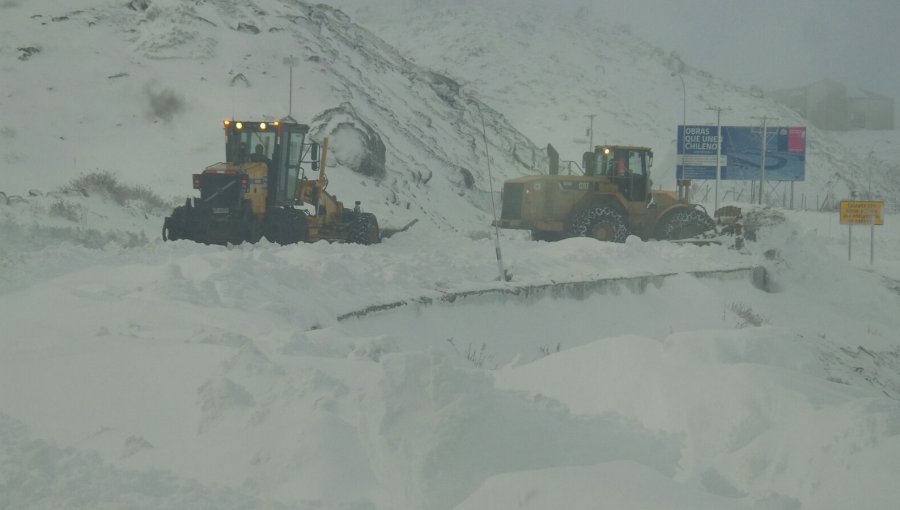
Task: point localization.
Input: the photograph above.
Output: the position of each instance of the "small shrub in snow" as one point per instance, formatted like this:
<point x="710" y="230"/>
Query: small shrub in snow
<point x="475" y="355"/>
<point x="747" y="316"/>
<point x="66" y="210"/>
<point x="547" y="350"/>
<point x="135" y="444"/>
<point x="107" y="184"/>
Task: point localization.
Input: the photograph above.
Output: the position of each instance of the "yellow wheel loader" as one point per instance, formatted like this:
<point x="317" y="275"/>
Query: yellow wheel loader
<point x="610" y="201"/>
<point x="261" y="190"/>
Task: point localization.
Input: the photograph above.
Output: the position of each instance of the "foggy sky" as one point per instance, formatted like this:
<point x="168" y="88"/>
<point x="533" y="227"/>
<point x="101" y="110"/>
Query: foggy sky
<point x="770" y="43"/>
<point x="774" y="43"/>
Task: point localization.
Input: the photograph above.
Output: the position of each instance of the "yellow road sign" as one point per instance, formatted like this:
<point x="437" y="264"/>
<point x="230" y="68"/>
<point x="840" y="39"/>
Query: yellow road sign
<point x="861" y="212"/>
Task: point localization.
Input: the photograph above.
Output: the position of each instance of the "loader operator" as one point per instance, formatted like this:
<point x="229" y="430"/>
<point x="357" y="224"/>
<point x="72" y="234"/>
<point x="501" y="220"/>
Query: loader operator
<point x="259" y="155"/>
<point x="621" y="167"/>
<point x="624" y="176"/>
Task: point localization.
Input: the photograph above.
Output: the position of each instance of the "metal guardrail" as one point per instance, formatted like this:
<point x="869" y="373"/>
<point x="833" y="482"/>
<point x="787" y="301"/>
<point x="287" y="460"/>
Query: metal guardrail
<point x="579" y="290"/>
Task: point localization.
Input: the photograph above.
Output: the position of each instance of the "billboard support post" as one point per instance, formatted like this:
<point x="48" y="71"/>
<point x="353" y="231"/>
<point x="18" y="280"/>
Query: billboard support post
<point x="718" y="110"/>
<point x="718" y="155"/>
<point x="762" y="161"/>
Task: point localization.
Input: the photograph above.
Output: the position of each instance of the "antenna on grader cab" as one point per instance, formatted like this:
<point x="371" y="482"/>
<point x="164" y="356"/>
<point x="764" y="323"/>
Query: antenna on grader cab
<point x="289" y="61"/>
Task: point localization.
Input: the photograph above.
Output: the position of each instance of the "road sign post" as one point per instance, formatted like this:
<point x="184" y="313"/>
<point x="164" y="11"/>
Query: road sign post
<point x="861" y="212"/>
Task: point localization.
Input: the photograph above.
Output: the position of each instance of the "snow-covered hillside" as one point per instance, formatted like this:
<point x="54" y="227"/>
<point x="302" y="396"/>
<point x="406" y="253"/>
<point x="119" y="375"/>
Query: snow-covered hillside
<point x="142" y="374"/>
<point x="140" y="89"/>
<point x="547" y="66"/>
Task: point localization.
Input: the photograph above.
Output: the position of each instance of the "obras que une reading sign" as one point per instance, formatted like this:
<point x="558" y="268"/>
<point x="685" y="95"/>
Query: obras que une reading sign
<point x="861" y="212"/>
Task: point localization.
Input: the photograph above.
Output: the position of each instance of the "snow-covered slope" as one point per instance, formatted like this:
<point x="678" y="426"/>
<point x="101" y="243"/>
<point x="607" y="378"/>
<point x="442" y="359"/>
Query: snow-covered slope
<point x="140" y="88"/>
<point x="547" y="66"/>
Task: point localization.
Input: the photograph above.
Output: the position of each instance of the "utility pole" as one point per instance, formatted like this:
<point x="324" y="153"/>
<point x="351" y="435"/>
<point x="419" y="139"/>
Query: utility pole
<point x="718" y="110"/>
<point x="762" y="157"/>
<point x="504" y="276"/>
<point x="591" y="132"/>
<point x="683" y="99"/>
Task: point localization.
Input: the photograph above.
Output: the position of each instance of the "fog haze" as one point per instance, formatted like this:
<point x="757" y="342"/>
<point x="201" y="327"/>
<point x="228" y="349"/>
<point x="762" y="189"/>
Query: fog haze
<point x="775" y="44"/>
<point x="769" y="43"/>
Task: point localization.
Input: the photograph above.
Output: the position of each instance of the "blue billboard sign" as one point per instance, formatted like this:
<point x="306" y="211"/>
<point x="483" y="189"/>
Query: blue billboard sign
<point x="785" y="158"/>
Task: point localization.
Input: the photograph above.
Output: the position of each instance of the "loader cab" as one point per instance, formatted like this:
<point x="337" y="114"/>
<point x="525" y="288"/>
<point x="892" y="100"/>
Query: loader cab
<point x="283" y="146"/>
<point x="628" y="167"/>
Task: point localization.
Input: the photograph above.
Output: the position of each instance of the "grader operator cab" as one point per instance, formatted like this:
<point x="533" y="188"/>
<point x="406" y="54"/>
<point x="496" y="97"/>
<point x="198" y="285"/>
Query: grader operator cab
<point x="610" y="201"/>
<point x="261" y="190"/>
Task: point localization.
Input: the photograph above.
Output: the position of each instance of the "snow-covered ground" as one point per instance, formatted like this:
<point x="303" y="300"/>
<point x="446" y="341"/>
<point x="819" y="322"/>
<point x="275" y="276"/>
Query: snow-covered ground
<point x="141" y="374"/>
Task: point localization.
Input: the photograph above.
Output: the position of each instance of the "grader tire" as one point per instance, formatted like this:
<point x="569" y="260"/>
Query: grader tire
<point x="287" y="226"/>
<point x="364" y="230"/>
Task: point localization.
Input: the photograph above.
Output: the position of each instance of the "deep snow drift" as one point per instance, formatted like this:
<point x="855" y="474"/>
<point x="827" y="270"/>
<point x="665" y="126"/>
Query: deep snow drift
<point x="141" y="374"/>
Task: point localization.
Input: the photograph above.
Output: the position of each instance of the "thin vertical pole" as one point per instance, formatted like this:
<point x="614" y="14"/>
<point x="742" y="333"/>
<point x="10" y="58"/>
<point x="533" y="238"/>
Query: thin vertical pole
<point x="503" y="276"/>
<point x="291" y="89"/>
<point x="850" y="241"/>
<point x="591" y="132"/>
<point x="872" y="242"/>
<point x="289" y="61"/>
<point x="762" y="162"/>
<point x="718" y="155"/>
<point x="718" y="110"/>
<point x="683" y="99"/>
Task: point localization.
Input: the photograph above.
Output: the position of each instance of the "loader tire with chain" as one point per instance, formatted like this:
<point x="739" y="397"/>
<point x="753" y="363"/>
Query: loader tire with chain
<point x="684" y="224"/>
<point x="602" y="223"/>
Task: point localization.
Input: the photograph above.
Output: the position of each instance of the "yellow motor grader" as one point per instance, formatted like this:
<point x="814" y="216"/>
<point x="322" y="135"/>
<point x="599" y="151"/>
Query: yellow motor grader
<point x="261" y="190"/>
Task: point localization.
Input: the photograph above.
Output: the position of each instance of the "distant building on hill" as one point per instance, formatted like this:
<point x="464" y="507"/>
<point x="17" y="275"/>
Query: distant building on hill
<point x="829" y="105"/>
